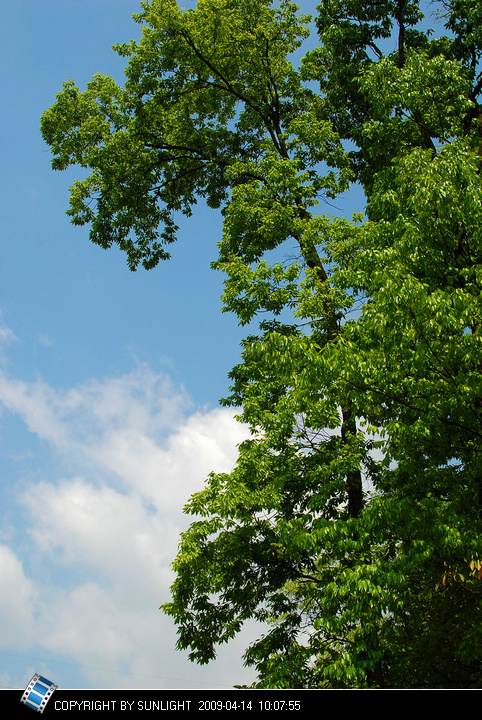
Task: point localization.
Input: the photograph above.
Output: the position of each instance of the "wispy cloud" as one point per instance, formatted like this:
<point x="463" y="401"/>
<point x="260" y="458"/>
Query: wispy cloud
<point x="7" y="337"/>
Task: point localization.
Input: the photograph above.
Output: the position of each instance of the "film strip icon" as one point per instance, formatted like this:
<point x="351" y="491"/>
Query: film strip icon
<point x="38" y="692"/>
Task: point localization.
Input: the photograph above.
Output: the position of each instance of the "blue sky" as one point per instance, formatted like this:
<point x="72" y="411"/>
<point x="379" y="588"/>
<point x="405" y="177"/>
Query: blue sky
<point x="109" y="389"/>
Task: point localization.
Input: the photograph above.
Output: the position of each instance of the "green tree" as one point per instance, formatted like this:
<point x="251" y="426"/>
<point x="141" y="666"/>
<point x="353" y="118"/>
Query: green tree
<point x="351" y="525"/>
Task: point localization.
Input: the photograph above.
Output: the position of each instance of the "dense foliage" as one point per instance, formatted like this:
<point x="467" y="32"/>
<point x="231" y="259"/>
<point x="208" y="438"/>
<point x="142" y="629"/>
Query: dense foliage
<point x="351" y="526"/>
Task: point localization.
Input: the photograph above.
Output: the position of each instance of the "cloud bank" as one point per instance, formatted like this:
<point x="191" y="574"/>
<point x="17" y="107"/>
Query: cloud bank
<point x="92" y="524"/>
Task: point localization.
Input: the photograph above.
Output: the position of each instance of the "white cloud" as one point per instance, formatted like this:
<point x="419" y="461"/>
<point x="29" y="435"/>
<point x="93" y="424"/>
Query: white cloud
<point x="7" y="336"/>
<point x="71" y="420"/>
<point x="17" y="599"/>
<point x="99" y="537"/>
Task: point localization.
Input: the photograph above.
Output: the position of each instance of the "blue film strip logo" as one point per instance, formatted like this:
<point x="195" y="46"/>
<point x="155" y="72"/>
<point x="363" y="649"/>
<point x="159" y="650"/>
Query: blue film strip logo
<point x="38" y="692"/>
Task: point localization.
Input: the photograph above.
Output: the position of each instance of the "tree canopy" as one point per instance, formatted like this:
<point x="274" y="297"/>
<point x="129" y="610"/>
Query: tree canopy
<point x="351" y="525"/>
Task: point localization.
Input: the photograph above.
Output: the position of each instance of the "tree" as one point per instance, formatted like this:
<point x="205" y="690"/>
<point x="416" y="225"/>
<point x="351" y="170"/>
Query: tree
<point x="351" y="525"/>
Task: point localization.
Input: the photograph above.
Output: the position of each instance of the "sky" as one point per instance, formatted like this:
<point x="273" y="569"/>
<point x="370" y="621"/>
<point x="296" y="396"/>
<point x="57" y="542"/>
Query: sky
<point x="109" y="393"/>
